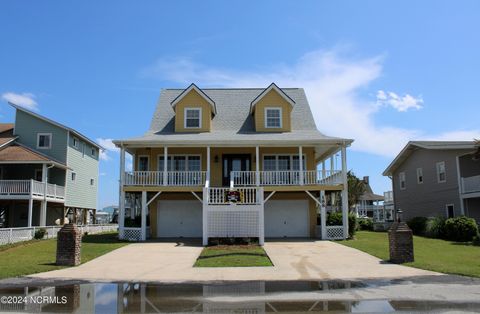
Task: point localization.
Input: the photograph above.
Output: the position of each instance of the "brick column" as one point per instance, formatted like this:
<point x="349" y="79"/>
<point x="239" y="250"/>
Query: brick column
<point x="69" y="241"/>
<point x="400" y="239"/>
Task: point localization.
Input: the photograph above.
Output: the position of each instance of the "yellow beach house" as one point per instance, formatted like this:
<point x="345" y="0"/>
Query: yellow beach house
<point x="231" y="163"/>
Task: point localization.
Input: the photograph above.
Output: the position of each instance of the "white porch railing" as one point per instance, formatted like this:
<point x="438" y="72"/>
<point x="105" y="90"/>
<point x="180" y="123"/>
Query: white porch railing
<point x="13" y="235"/>
<point x="471" y="184"/>
<point x="248" y="196"/>
<point x="16" y="188"/>
<point x="290" y="177"/>
<point x="174" y="178"/>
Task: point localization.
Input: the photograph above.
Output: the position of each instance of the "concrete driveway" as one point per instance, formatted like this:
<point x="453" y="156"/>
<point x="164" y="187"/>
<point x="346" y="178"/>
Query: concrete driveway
<point x="293" y="260"/>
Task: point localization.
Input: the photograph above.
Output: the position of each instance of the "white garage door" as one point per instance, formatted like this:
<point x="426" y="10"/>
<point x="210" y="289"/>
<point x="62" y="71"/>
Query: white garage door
<point x="286" y="219"/>
<point x="179" y="219"/>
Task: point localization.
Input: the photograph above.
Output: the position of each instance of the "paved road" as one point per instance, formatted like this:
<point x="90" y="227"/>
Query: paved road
<point x="293" y="260"/>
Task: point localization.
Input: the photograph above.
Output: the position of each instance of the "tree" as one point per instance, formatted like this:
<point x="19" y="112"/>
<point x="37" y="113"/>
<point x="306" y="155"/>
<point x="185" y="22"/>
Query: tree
<point x="356" y="187"/>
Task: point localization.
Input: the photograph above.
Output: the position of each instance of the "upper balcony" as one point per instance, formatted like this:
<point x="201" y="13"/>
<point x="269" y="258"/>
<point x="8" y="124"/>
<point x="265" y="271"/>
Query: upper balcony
<point x="331" y="178"/>
<point x="26" y="189"/>
<point x="470" y="185"/>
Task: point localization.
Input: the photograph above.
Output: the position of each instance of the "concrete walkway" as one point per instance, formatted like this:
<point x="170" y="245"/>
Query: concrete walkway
<point x="293" y="260"/>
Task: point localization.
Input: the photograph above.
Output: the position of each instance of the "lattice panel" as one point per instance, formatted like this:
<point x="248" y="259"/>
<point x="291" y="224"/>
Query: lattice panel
<point x="334" y="232"/>
<point x="238" y="223"/>
<point x="132" y="234"/>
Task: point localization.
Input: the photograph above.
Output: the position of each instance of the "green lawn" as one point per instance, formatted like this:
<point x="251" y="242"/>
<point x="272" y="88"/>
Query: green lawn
<point x="233" y="256"/>
<point x="431" y="254"/>
<point x="39" y="255"/>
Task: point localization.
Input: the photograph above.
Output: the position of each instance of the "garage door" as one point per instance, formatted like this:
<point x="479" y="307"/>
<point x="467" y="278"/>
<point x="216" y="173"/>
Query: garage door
<point x="179" y="219"/>
<point x="286" y="219"/>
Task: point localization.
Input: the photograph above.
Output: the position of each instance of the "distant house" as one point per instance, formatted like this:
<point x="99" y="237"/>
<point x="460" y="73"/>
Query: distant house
<point x="369" y="203"/>
<point x="47" y="171"/>
<point x="436" y="178"/>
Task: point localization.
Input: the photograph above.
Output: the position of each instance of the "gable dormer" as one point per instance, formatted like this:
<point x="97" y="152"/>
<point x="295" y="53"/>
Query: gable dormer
<point x="194" y="110"/>
<point x="272" y="110"/>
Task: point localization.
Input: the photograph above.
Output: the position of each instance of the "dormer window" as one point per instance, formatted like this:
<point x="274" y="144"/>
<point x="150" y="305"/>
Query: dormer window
<point x="44" y="140"/>
<point x="193" y="118"/>
<point x="273" y="117"/>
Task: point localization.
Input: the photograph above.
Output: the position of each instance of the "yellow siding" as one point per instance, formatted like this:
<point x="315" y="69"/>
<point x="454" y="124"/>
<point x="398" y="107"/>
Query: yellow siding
<point x="193" y="100"/>
<point x="272" y="99"/>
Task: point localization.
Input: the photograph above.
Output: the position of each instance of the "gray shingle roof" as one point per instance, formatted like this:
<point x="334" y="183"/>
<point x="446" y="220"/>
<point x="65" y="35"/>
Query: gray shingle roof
<point x="233" y="121"/>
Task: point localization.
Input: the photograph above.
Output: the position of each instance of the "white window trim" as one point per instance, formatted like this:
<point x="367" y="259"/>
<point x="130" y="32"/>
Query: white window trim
<point x="74" y="139"/>
<point x="49" y="143"/>
<point x="148" y="162"/>
<point x="73" y="174"/>
<point x="420" y="174"/>
<point x="404" y="180"/>
<point x="93" y="152"/>
<point x="92" y="183"/>
<point x="281" y="117"/>
<point x="304" y="159"/>
<point x="160" y="165"/>
<point x="199" y="117"/>
<point x="446" y="210"/>
<point x="438" y="171"/>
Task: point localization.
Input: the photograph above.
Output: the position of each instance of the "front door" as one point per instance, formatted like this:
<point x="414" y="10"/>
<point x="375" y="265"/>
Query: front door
<point x="234" y="163"/>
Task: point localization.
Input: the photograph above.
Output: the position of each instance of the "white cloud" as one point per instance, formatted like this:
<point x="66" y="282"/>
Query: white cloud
<point x="332" y="83"/>
<point x="26" y="100"/>
<point x="400" y="103"/>
<point x="107" y="143"/>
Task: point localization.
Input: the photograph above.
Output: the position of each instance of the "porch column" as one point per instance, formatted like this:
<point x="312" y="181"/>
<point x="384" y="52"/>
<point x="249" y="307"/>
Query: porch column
<point x="332" y="164"/>
<point x="121" y="200"/>
<point x="207" y="182"/>
<point x="344" y="193"/>
<point x="165" y="165"/>
<point x="144" y="215"/>
<point x="30" y="207"/>
<point x="261" y="216"/>
<point x="300" y="162"/>
<point x="324" y="171"/>
<point x="257" y="166"/>
<point x="323" y="215"/>
<point x="205" y="217"/>
<point x="43" y="207"/>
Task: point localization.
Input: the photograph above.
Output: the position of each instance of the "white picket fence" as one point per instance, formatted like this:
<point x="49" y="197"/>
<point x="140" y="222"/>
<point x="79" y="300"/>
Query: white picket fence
<point x="13" y="235"/>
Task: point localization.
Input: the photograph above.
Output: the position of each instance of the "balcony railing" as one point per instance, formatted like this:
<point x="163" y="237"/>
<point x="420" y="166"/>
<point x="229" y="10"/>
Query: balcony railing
<point x="248" y="196"/>
<point x="292" y="177"/>
<point x="172" y="178"/>
<point x="471" y="184"/>
<point x="30" y="188"/>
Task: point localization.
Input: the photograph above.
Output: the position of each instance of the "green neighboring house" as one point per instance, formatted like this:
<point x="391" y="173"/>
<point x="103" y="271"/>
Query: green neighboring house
<point x="47" y="171"/>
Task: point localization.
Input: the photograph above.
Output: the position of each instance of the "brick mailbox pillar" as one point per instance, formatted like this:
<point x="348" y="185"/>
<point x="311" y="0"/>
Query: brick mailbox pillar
<point x="400" y="238"/>
<point x="69" y="241"/>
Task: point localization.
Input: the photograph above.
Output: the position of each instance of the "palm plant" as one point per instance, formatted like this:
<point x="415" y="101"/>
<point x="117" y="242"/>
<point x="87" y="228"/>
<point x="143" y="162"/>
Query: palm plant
<point x="356" y="188"/>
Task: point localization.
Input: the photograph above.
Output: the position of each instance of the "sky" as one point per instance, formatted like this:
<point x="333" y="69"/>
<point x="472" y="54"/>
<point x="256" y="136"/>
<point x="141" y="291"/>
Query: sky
<point x="379" y="72"/>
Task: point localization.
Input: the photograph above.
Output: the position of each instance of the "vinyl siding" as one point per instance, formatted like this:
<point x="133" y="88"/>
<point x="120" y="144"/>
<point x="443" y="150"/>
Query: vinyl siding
<point x="192" y="100"/>
<point x="430" y="198"/>
<point x="79" y="192"/>
<point x="27" y="127"/>
<point x="272" y="99"/>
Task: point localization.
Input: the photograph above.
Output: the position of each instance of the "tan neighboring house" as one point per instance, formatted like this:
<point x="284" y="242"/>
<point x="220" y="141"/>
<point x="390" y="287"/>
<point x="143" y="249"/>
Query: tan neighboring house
<point x="231" y="163"/>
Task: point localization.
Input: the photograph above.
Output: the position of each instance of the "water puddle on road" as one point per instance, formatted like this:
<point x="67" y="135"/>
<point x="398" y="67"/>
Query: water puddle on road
<point x="241" y="297"/>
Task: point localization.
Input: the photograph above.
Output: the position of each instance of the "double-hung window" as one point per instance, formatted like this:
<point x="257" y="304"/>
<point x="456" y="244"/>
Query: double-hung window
<point x="178" y="165"/>
<point x="143" y="163"/>
<point x="44" y="140"/>
<point x="441" y="172"/>
<point x="193" y="118"/>
<point x="419" y="175"/>
<point x="273" y="118"/>
<point x="401" y="179"/>
<point x="282" y="169"/>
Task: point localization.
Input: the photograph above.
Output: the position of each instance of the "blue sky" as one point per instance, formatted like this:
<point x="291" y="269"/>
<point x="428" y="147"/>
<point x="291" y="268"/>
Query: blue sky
<point x="380" y="72"/>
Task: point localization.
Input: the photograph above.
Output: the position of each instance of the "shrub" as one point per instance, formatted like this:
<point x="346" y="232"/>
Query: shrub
<point x="40" y="233"/>
<point x="460" y="229"/>
<point x="418" y="225"/>
<point x="365" y="224"/>
<point x="476" y="240"/>
<point x="335" y="219"/>
<point x="435" y="228"/>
